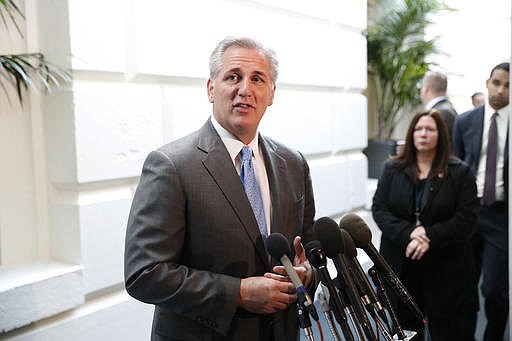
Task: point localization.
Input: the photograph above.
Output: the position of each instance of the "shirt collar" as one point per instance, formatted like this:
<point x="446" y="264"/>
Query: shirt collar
<point x="434" y="101"/>
<point x="503" y="112"/>
<point x="234" y="145"/>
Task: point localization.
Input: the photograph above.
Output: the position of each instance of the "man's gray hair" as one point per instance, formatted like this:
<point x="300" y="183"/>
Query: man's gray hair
<point x="248" y="43"/>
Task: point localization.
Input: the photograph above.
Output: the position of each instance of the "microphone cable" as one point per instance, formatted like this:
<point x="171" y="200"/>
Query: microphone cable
<point x="320" y="330"/>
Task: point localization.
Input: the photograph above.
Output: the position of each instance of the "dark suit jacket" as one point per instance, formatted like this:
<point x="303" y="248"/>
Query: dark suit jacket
<point x="448" y="212"/>
<point x="192" y="236"/>
<point x="448" y="112"/>
<point x="467" y="141"/>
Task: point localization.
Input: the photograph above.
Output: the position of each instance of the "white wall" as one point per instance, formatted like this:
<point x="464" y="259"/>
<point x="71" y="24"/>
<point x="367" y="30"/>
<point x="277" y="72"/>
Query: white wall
<point x="140" y="70"/>
<point x="475" y="37"/>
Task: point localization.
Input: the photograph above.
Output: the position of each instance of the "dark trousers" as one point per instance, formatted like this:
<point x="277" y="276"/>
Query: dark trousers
<point x="492" y="239"/>
<point x="458" y="326"/>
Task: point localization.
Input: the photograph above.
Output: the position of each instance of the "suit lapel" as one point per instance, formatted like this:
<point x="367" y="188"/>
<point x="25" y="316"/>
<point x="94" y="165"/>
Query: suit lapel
<point x="276" y="169"/>
<point x="476" y="130"/>
<point x="276" y="172"/>
<point x="219" y="165"/>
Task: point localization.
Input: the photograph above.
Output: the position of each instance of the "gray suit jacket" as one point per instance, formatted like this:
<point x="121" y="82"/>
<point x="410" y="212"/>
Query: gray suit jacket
<point x="448" y="112"/>
<point x="192" y="236"/>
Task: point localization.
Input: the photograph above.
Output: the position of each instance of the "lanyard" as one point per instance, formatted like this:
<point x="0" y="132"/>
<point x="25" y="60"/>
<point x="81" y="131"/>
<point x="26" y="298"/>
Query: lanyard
<point x="420" y="188"/>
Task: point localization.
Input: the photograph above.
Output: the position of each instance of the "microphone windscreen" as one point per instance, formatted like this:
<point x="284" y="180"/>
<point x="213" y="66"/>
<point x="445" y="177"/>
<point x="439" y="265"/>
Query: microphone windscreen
<point x="277" y="245"/>
<point x="314" y="244"/>
<point x="328" y="233"/>
<point x="357" y="228"/>
<point x="348" y="243"/>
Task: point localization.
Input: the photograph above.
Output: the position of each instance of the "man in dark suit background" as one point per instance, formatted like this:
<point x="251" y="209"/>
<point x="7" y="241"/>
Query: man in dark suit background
<point x="477" y="99"/>
<point x="470" y="143"/>
<point x="433" y="96"/>
<point x="193" y="244"/>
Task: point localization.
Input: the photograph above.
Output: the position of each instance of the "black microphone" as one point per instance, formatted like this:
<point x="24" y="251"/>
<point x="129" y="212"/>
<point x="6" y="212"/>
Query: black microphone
<point x="318" y="259"/>
<point x="368" y="295"/>
<point x="364" y="284"/>
<point x="362" y="237"/>
<point x="355" y="269"/>
<point x="374" y="274"/>
<point x="329" y="234"/>
<point x="278" y="247"/>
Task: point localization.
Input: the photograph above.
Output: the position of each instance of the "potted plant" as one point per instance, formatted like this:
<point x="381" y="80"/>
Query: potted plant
<point x="25" y="70"/>
<point x="397" y="61"/>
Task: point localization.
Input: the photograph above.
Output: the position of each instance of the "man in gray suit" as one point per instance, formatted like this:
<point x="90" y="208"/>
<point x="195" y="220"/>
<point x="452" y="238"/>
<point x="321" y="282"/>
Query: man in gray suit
<point x="193" y="246"/>
<point x="433" y="96"/>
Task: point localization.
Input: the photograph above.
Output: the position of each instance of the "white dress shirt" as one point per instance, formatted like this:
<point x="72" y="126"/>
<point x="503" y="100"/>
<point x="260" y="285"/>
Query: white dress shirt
<point x="434" y="101"/>
<point x="502" y="125"/>
<point x="234" y="146"/>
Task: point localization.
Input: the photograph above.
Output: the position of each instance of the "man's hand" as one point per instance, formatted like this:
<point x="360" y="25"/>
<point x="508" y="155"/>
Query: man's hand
<point x="266" y="295"/>
<point x="300" y="264"/>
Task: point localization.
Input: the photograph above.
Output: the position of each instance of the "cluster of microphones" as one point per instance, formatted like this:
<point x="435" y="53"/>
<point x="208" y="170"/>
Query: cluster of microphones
<point x="349" y="299"/>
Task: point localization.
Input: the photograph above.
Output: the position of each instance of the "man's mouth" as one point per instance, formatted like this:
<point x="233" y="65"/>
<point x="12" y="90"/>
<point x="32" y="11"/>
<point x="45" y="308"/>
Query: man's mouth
<point x="243" y="105"/>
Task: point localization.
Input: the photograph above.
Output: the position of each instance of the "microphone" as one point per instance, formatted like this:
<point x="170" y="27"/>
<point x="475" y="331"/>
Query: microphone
<point x="318" y="259"/>
<point x="362" y="237"/>
<point x="329" y="234"/>
<point x="374" y="274"/>
<point x="368" y="296"/>
<point x="278" y="247"/>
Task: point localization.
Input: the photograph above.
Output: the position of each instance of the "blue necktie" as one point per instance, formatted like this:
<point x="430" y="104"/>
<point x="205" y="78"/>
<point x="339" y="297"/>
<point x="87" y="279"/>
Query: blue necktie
<point x="252" y="189"/>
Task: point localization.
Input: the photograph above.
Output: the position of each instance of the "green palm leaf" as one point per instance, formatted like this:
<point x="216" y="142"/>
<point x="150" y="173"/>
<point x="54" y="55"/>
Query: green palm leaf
<point x="31" y="70"/>
<point x="398" y="58"/>
<point x="10" y="8"/>
<point x="26" y="70"/>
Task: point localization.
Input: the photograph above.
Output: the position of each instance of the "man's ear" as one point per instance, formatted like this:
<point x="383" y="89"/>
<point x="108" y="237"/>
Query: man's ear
<point x="209" y="88"/>
<point x="271" y="99"/>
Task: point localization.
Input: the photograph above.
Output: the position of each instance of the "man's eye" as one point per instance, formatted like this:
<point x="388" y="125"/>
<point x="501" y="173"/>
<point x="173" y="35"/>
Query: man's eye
<point x="232" y="78"/>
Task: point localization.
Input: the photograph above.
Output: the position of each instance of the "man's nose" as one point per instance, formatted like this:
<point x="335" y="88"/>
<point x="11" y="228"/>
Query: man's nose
<point x="245" y="88"/>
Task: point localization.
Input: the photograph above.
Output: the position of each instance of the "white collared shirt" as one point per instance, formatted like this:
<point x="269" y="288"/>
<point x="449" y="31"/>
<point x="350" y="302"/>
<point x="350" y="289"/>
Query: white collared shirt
<point x="502" y="125"/>
<point x="434" y="101"/>
<point x="234" y="146"/>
